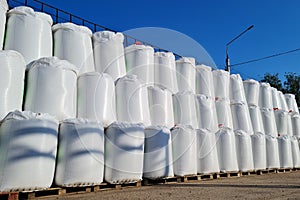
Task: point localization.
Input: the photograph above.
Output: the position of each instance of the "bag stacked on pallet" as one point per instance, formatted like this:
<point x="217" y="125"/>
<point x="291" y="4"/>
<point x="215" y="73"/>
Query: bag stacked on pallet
<point x="184" y="142"/>
<point x="124" y="153"/>
<point x="28" y="144"/>
<point x="74" y="44"/>
<point x="29" y="33"/>
<point x="12" y="74"/>
<point x="186" y="74"/>
<point x="81" y="153"/>
<point x="158" y="158"/>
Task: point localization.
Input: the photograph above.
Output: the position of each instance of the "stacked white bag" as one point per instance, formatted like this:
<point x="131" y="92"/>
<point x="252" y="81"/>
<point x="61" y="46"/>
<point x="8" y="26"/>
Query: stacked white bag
<point x="109" y="53"/>
<point x="226" y="150"/>
<point x="265" y="96"/>
<point x="81" y="153"/>
<point x="186" y="74"/>
<point x="259" y="151"/>
<point x="282" y="101"/>
<point x="74" y="44"/>
<point x="207" y="153"/>
<point x="28" y="144"/>
<point x="184" y="143"/>
<point x="256" y="119"/>
<point x="96" y="98"/>
<point x="29" y="33"/>
<point x="296" y="125"/>
<point x="124" y="153"/>
<point x="295" y="152"/>
<point x="206" y="113"/>
<point x="158" y="158"/>
<point x="51" y="88"/>
<point x="204" y="81"/>
<point x="3" y="11"/>
<point x="165" y="71"/>
<point x="185" y="109"/>
<point x="244" y="150"/>
<point x="251" y="88"/>
<point x="140" y="62"/>
<point x="132" y="101"/>
<point x="276" y="99"/>
<point x="161" y="107"/>
<point x="269" y="122"/>
<point x="221" y="84"/>
<point x="285" y="152"/>
<point x="282" y="118"/>
<point x="224" y="113"/>
<point x="291" y="103"/>
<point x="12" y="74"/>
<point x="273" y="161"/>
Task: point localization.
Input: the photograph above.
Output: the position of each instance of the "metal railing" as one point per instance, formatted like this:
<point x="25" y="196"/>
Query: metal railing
<point x="61" y="16"/>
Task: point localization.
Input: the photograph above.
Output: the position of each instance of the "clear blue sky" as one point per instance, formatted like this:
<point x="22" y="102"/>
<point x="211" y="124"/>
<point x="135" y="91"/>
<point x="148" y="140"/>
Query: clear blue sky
<point x="211" y="23"/>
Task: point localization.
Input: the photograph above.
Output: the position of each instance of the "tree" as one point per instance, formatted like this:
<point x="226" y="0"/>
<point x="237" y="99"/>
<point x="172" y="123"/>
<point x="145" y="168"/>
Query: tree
<point x="292" y="85"/>
<point x="273" y="80"/>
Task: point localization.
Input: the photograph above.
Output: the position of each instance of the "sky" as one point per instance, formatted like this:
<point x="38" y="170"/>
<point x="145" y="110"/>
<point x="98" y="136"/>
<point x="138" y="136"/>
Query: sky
<point x="212" y="24"/>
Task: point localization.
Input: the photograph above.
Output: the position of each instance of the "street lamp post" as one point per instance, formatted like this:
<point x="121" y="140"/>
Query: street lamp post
<point x="227" y="45"/>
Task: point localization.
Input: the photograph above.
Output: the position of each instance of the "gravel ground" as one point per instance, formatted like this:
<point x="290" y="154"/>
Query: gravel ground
<point x="270" y="186"/>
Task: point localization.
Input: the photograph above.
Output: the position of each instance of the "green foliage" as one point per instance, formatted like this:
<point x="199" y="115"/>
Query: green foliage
<point x="291" y="84"/>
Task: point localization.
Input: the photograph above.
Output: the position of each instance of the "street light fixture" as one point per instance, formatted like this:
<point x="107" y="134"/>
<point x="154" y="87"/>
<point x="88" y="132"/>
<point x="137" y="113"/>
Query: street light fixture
<point x="227" y="56"/>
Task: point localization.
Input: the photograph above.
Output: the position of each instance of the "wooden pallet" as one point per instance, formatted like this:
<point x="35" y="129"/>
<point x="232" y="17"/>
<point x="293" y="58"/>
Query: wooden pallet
<point x="284" y="170"/>
<point x="266" y="171"/>
<point x="229" y="174"/>
<point x="296" y="169"/>
<point x="247" y="173"/>
<point x="166" y="180"/>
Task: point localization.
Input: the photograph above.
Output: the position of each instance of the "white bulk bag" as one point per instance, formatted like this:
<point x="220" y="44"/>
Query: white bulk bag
<point x="282" y="101"/>
<point x="289" y="124"/>
<point x="244" y="151"/>
<point x="259" y="151"/>
<point x="226" y="150"/>
<point x="74" y="44"/>
<point x="275" y="98"/>
<point x="185" y="109"/>
<point x="206" y="113"/>
<point x="221" y="84"/>
<point x="204" y="81"/>
<point x="109" y="53"/>
<point x="272" y="152"/>
<point x="28" y="144"/>
<point x="124" y="153"/>
<point x="81" y="153"/>
<point x="291" y="103"/>
<point x="285" y="152"/>
<point x="132" y="101"/>
<point x="186" y="74"/>
<point x="251" y="88"/>
<point x="165" y="71"/>
<point x="256" y="119"/>
<point x="224" y="113"/>
<point x="96" y="98"/>
<point x="265" y="96"/>
<point x="3" y="11"/>
<point x="29" y="33"/>
<point x="207" y="152"/>
<point x="12" y="74"/>
<point x="269" y="121"/>
<point x="236" y="88"/>
<point x="296" y="125"/>
<point x="184" y="143"/>
<point x="281" y="118"/>
<point x="51" y="88"/>
<point x="161" y="107"/>
<point x="295" y="152"/>
<point x="140" y="62"/>
<point x="158" y="158"/>
<point x="241" y="117"/>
